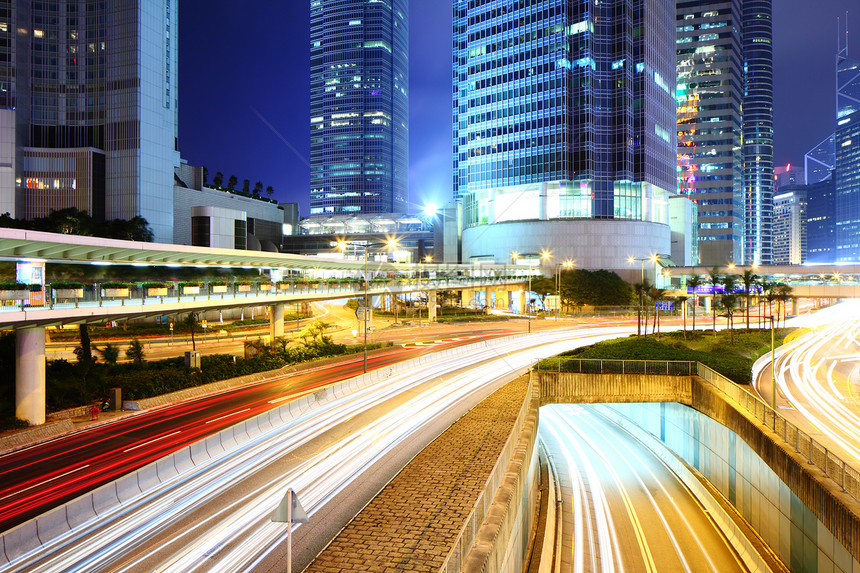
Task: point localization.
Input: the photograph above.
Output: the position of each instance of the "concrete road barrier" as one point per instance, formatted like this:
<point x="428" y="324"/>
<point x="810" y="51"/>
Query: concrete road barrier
<point x="52" y="524"/>
<point x="127" y="487"/>
<point x="105" y="498"/>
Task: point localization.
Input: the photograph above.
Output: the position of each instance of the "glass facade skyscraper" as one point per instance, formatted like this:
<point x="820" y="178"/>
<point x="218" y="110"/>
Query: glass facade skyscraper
<point x="758" y="131"/>
<point x="563" y="109"/>
<point x="818" y="163"/>
<point x="710" y="145"/>
<point x="88" y="109"/>
<point x="846" y="173"/>
<point x="359" y="106"/>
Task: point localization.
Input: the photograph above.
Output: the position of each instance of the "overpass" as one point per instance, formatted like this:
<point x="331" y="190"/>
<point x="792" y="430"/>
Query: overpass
<point x="807" y="281"/>
<point x="290" y="278"/>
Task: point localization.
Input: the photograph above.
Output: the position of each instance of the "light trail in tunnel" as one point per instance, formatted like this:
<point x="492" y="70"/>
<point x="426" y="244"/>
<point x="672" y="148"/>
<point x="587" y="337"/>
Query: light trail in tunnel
<point x="628" y="511"/>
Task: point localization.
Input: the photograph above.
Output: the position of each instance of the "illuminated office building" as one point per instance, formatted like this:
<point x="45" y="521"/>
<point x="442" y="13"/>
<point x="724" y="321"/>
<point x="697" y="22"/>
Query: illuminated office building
<point x="820" y="160"/>
<point x="710" y="123"/>
<point x="88" y="109"/>
<point x="563" y="128"/>
<point x="359" y="106"/>
<point x="847" y="161"/>
<point x="758" y="131"/>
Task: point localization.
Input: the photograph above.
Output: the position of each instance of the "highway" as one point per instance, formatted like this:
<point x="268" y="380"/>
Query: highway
<point x="216" y="516"/>
<point x="817" y="375"/>
<point x="35" y="479"/>
<point x="622" y="509"/>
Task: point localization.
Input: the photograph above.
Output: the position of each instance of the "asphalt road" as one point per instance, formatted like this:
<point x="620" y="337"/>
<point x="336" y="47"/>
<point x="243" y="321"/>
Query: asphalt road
<point x="623" y="509"/>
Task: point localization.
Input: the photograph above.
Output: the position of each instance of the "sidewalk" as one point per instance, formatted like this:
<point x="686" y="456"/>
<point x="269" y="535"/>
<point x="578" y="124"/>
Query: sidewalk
<point x="412" y="524"/>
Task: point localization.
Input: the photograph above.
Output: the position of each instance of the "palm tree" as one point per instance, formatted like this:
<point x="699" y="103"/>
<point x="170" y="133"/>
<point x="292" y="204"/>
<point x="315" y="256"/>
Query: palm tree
<point x="714" y="278"/>
<point x="657" y="294"/>
<point x="682" y="300"/>
<point x="639" y="289"/>
<point x="749" y="279"/>
<point x="729" y="302"/>
<point x="693" y="282"/>
<point x="783" y="293"/>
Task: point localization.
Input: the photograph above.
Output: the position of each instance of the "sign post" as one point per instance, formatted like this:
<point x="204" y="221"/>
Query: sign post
<point x="290" y="511"/>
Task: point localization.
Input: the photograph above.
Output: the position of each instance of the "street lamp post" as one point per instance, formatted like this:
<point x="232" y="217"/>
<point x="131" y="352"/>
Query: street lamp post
<point x="566" y="264"/>
<point x="342" y="246"/>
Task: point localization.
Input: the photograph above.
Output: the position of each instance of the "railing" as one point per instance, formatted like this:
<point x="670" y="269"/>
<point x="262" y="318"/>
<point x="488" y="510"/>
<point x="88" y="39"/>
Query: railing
<point x="815" y="453"/>
<point x="96" y="296"/>
<point x="604" y="366"/>
<point x="466" y="538"/>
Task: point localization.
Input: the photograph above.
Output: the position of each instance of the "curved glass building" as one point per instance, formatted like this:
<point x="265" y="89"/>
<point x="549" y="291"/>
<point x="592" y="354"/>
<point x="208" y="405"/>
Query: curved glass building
<point x="562" y="111"/>
<point x="758" y="131"/>
<point x="359" y="106"/>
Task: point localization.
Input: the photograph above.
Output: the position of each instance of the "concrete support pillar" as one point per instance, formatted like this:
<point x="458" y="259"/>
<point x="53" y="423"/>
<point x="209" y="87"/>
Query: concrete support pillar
<point x="431" y="306"/>
<point x="523" y="298"/>
<point x="465" y="297"/>
<point x="708" y="300"/>
<point x="488" y="301"/>
<point x="30" y="375"/>
<point x="794" y="306"/>
<point x="502" y="300"/>
<point x="276" y="321"/>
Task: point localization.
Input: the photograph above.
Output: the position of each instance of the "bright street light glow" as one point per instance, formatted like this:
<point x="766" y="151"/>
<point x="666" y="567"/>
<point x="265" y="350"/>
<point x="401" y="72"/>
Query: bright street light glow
<point x="431" y="209"/>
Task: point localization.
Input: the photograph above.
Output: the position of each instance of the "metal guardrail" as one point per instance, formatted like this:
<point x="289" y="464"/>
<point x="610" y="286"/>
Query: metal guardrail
<point x="466" y="539"/>
<point x="604" y="366"/>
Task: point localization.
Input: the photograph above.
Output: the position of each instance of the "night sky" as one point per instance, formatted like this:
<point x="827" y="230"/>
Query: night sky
<point x="244" y="89"/>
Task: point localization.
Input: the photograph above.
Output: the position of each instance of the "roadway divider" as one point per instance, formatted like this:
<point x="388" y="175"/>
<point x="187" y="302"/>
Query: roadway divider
<point x="739" y="541"/>
<point x="63" y="520"/>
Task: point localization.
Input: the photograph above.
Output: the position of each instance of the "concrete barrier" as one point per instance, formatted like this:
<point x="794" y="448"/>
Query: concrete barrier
<point x="52" y="524"/>
<point x="182" y="459"/>
<point x="213" y="445"/>
<point x="20" y="540"/>
<point x="165" y="468"/>
<point x="127" y="487"/>
<point x="147" y="477"/>
<point x="80" y="510"/>
<point x="198" y="452"/>
<point x="105" y="498"/>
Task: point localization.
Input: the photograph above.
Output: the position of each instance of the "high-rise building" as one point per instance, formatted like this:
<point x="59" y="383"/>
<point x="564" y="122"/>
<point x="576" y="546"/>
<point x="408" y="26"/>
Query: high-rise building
<point x="789" y="225"/>
<point x="847" y="165"/>
<point x="710" y="92"/>
<point x="359" y="106"/>
<point x="563" y="128"/>
<point x="88" y="109"/>
<point x="820" y="221"/>
<point x="790" y="174"/>
<point x="819" y="161"/>
<point x="758" y="130"/>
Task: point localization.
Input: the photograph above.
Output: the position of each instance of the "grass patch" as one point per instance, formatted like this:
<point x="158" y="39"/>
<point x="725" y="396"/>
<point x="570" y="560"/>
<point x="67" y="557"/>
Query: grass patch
<point x="731" y="360"/>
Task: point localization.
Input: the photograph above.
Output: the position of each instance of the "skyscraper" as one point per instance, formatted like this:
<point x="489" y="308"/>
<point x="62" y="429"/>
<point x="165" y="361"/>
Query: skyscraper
<point x="758" y="131"/>
<point x="359" y="106"/>
<point x="563" y="111"/>
<point x="710" y="92"/>
<point x="818" y="163"/>
<point x="88" y="109"/>
<point x="847" y="161"/>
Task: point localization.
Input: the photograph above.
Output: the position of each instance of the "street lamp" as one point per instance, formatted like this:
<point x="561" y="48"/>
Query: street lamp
<point x="568" y="264"/>
<point x="390" y="244"/>
<point x="515" y="256"/>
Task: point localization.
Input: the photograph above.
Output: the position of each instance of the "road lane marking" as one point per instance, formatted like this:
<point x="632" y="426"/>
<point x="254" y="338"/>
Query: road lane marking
<point x="152" y="441"/>
<point x="227" y="415"/>
<point x="44" y="482"/>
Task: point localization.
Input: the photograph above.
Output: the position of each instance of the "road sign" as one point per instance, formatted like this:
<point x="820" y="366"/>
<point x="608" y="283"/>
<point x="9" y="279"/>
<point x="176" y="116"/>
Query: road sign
<point x="363" y="313"/>
<point x="284" y="513"/>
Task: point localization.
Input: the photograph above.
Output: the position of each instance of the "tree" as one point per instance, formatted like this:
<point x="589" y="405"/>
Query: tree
<point x="682" y="300"/>
<point x="218" y="179"/>
<point x="110" y="353"/>
<point x="313" y="335"/>
<point x="246" y="186"/>
<point x="135" y="229"/>
<point x="639" y="289"/>
<point x="657" y="294"/>
<point x="270" y="190"/>
<point x="595" y="288"/>
<point x="714" y="278"/>
<point x="135" y="352"/>
<point x="84" y="352"/>
<point x="190" y="322"/>
<point x="694" y="282"/>
<point x="205" y="175"/>
<point x="231" y="183"/>
<point x="729" y="302"/>
<point x="258" y="189"/>
<point x="783" y="293"/>
<point x="749" y="278"/>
